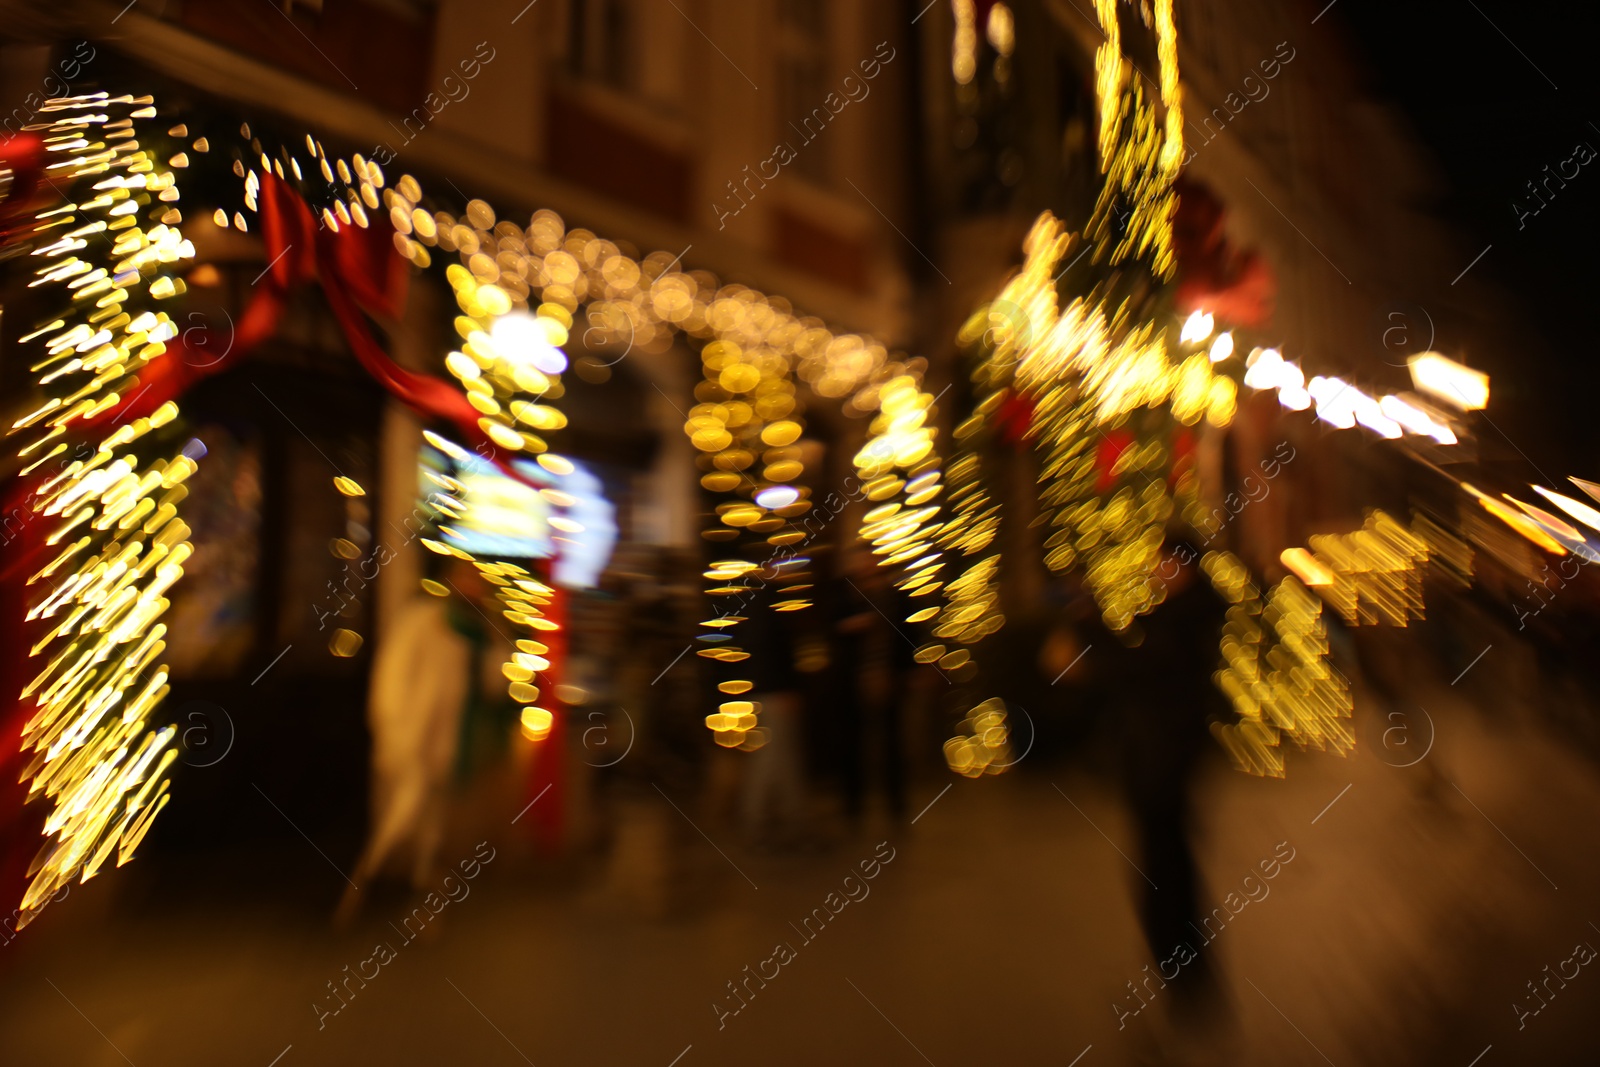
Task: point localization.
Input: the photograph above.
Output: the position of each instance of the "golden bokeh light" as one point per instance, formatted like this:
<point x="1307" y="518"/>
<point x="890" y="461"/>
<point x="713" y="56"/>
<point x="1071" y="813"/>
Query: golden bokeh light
<point x="105" y="256"/>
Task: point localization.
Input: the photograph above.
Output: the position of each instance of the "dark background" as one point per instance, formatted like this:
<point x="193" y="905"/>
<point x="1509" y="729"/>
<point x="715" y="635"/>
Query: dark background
<point x="1494" y="112"/>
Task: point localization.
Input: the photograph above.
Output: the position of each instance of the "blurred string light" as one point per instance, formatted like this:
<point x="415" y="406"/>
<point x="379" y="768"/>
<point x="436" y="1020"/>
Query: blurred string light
<point x="964" y="48"/>
<point x="1341" y="404"/>
<point x="1091" y="377"/>
<point x="509" y="363"/>
<point x="524" y="599"/>
<point x="109" y="254"/>
<point x="1085" y="376"/>
<point x="900" y="474"/>
<point x="1141" y="144"/>
<point x="987" y="749"/>
<point x="1445" y="379"/>
<point x="523" y="291"/>
<point x="1085" y="370"/>
<point x="747" y="426"/>
<point x="1276" y="671"/>
<point x="1370" y="576"/>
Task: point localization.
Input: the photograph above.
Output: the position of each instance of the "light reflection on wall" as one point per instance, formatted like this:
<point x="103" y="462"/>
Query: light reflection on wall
<point x="559" y="514"/>
<point x="212" y="617"/>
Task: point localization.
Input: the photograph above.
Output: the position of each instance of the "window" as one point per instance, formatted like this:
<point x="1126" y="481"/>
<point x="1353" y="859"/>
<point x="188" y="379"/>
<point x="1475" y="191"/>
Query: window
<point x="603" y="42"/>
<point x="803" y="84"/>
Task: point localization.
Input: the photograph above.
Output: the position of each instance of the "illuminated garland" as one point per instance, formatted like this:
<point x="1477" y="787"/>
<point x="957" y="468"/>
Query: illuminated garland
<point x="523" y="597"/>
<point x="1141" y="151"/>
<point x="1083" y="371"/>
<point x="748" y="417"/>
<point x="1100" y="366"/>
<point x="1096" y="368"/>
<point x="508" y="364"/>
<point x="1370" y="576"/>
<point x="112" y="508"/>
<point x="1276" y="672"/>
<point x="521" y="291"/>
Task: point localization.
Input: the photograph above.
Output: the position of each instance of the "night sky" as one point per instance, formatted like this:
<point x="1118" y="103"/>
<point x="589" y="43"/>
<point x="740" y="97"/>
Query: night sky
<point x="1497" y="90"/>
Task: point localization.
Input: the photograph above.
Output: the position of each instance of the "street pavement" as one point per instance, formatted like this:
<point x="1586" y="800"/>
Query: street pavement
<point x="1435" y="873"/>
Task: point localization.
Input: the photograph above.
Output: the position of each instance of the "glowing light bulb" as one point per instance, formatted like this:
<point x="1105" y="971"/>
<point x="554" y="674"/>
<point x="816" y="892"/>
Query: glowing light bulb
<point x="1263" y="373"/>
<point x="1197" y="327"/>
<point x="1222" y="347"/>
<point x="1370" y="414"/>
<point x="1455" y="384"/>
<point x="1335" y="405"/>
<point x="536" y="723"/>
<point x="777" y="496"/>
<point x="521" y="338"/>
<point x="1294" y="399"/>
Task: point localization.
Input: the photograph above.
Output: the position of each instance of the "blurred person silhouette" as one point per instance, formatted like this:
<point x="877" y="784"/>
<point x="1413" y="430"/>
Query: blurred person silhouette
<point x="1162" y="697"/>
<point x="435" y="724"/>
<point x="631" y="743"/>
<point x="774" y="792"/>
<point x="872" y="659"/>
<point x="652" y="633"/>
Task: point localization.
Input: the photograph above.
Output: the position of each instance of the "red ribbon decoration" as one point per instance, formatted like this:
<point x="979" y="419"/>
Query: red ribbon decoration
<point x="23" y="544"/>
<point x="1014" y="418"/>
<point x="359" y="270"/>
<point x="423" y="393"/>
<point x="22" y="155"/>
<point x="1236" y="286"/>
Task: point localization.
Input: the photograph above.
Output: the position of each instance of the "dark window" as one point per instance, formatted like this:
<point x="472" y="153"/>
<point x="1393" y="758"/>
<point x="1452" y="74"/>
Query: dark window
<point x="603" y="45"/>
<point x="803" y="85"/>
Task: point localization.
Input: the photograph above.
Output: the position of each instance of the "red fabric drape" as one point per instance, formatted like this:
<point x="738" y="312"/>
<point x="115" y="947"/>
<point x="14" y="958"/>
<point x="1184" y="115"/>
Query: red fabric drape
<point x="1015" y="417"/>
<point x="20" y="825"/>
<point x="23" y="156"/>
<point x="1236" y="286"/>
<point x="22" y="543"/>
<point x="359" y="271"/>
<point x="423" y="393"/>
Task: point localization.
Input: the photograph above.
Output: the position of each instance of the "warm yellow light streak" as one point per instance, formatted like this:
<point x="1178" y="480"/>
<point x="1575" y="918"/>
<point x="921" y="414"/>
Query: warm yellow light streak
<point x="1275" y="671"/>
<point x="1556" y="525"/>
<point x="1577" y="509"/>
<point x="1304" y="565"/>
<point x="1517" y="521"/>
<point x="96" y="755"/>
<point x="1444" y="379"/>
<point x="1140" y="140"/>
